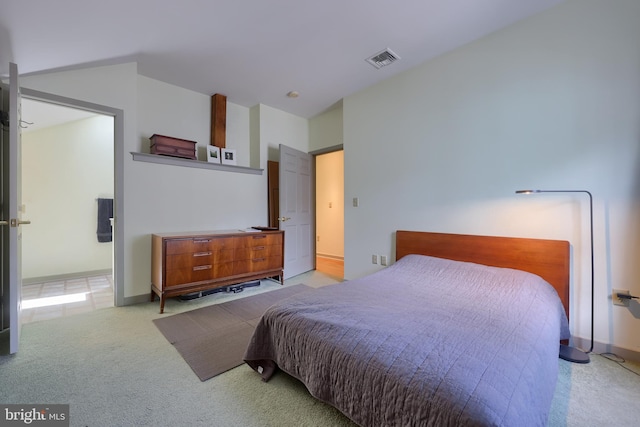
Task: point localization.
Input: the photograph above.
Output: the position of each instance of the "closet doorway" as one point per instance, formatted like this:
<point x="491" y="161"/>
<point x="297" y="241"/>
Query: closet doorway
<point x="67" y="166"/>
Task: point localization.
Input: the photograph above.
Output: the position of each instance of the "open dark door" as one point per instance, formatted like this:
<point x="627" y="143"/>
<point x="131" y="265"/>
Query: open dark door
<point x="273" y="182"/>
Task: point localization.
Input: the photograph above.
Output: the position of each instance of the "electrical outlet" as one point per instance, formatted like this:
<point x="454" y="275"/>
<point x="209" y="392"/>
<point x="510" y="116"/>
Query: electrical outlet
<point x="383" y="260"/>
<point x="374" y="259"/>
<point x="618" y="301"/>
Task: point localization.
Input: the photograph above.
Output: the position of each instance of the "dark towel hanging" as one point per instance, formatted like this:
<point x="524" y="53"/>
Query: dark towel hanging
<point x="105" y="213"/>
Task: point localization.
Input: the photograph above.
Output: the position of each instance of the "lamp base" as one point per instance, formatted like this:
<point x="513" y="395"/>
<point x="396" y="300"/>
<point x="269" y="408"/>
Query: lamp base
<point x="572" y="354"/>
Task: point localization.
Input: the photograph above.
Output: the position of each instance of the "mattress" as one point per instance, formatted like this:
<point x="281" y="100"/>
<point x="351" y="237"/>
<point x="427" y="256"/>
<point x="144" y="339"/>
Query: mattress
<point x="426" y="341"/>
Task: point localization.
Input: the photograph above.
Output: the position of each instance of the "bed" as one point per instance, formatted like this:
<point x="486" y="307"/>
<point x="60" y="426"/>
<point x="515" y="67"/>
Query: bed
<point x="460" y="330"/>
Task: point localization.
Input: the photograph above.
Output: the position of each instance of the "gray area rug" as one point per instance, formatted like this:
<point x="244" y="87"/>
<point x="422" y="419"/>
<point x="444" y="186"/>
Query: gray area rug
<point x="213" y="339"/>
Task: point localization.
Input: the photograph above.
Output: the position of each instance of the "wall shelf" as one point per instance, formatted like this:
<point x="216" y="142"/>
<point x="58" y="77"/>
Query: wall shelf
<point x="176" y="161"/>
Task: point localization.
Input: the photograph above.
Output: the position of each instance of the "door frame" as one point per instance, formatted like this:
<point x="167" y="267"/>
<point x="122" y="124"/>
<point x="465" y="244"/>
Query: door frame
<point x="273" y="184"/>
<point x="327" y="150"/>
<point x="315" y="154"/>
<point x="118" y="175"/>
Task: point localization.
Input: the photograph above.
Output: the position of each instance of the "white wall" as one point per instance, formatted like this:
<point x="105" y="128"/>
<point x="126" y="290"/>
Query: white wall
<point x="325" y="130"/>
<point x="163" y="198"/>
<point x="330" y="204"/>
<point x="170" y="110"/>
<point x="552" y="103"/>
<point x="173" y="198"/>
<point x="277" y="127"/>
<point x="64" y="169"/>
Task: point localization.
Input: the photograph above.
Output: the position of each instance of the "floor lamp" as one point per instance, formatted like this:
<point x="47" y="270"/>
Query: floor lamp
<point x="573" y="354"/>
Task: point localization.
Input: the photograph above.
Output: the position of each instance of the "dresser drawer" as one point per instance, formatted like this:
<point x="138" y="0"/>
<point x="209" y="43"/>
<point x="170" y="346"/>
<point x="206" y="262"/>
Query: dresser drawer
<point x="258" y="239"/>
<point x="199" y="244"/>
<point x="223" y="269"/>
<point x="178" y="246"/>
<point x="216" y="243"/>
<point x="178" y="277"/>
<point x="188" y="260"/>
<point x="257" y="264"/>
<point x="196" y="273"/>
<point x="257" y="252"/>
<point x="200" y="273"/>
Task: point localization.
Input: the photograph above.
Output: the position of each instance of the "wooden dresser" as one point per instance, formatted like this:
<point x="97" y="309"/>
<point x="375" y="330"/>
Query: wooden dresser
<point x="182" y="263"/>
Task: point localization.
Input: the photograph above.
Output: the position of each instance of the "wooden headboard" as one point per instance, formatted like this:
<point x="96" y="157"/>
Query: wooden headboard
<point x="548" y="259"/>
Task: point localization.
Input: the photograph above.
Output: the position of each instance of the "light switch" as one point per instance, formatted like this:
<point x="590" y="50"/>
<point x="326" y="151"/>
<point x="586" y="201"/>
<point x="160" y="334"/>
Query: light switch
<point x="356" y="202"/>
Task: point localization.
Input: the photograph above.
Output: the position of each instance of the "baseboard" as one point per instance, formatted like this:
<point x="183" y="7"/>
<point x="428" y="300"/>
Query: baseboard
<point x="69" y="276"/>
<point x="599" y="348"/>
<point x="339" y="258"/>
<point x="138" y="299"/>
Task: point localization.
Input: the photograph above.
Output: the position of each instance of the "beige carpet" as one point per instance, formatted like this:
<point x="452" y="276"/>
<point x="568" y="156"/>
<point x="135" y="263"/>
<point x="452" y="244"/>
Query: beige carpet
<point x="115" y="368"/>
<point x="213" y="339"/>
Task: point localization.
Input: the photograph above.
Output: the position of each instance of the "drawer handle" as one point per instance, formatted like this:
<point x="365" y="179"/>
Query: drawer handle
<point x="258" y="248"/>
<point x="258" y="259"/>
<point x="201" y="240"/>
<point x="202" y="254"/>
<point x="259" y="236"/>
<point x="202" y="267"/>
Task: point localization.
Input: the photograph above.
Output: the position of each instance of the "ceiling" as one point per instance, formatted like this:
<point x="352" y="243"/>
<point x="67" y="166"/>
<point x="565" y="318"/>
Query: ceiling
<point x="38" y="115"/>
<point x="252" y="51"/>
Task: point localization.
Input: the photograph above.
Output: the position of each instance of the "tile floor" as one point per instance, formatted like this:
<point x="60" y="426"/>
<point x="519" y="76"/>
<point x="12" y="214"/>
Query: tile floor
<point x="49" y="300"/>
<point x="43" y="301"/>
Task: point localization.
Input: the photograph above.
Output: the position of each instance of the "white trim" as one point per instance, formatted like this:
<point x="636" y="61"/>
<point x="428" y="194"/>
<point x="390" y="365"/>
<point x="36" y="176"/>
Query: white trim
<point x="177" y="161"/>
<point x="118" y="177"/>
<point x="69" y="276"/>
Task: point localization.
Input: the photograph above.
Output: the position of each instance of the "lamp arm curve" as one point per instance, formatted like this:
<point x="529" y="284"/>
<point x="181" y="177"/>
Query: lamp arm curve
<point x="591" y="231"/>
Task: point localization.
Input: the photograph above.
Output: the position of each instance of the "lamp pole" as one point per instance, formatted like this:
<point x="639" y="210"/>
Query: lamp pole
<point x="572" y="354"/>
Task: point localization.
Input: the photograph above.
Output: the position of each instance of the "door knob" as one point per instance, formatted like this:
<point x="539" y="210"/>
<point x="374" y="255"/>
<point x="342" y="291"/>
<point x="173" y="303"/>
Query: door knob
<point x="4" y="222"/>
<point x="16" y="222"/>
<point x="284" y="218"/>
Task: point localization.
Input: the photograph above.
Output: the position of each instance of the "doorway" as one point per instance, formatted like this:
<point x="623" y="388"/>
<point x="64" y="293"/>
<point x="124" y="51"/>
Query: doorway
<point x="67" y="171"/>
<point x="329" y="208"/>
<point x="330" y="213"/>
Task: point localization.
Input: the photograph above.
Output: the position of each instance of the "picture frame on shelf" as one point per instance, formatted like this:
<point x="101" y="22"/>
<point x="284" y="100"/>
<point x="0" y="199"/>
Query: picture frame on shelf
<point x="228" y="156"/>
<point x="213" y="154"/>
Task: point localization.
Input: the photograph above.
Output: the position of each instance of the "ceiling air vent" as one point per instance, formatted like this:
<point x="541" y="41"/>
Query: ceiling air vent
<point x="383" y="58"/>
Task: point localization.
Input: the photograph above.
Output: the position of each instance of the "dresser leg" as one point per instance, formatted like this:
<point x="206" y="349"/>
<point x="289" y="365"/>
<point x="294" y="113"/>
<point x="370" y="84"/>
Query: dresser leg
<point x="162" y="304"/>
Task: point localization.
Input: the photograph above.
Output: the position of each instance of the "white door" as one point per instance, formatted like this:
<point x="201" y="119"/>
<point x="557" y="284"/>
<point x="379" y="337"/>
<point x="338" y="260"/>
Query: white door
<point x="13" y="198"/>
<point x="297" y="210"/>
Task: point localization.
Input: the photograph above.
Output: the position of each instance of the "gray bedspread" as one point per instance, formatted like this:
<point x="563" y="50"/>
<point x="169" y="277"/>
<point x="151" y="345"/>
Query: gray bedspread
<point x="424" y="342"/>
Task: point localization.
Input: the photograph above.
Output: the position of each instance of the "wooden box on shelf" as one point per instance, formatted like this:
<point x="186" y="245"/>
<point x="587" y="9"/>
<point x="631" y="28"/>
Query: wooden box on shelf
<point x="182" y="263"/>
<point x="174" y="147"/>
